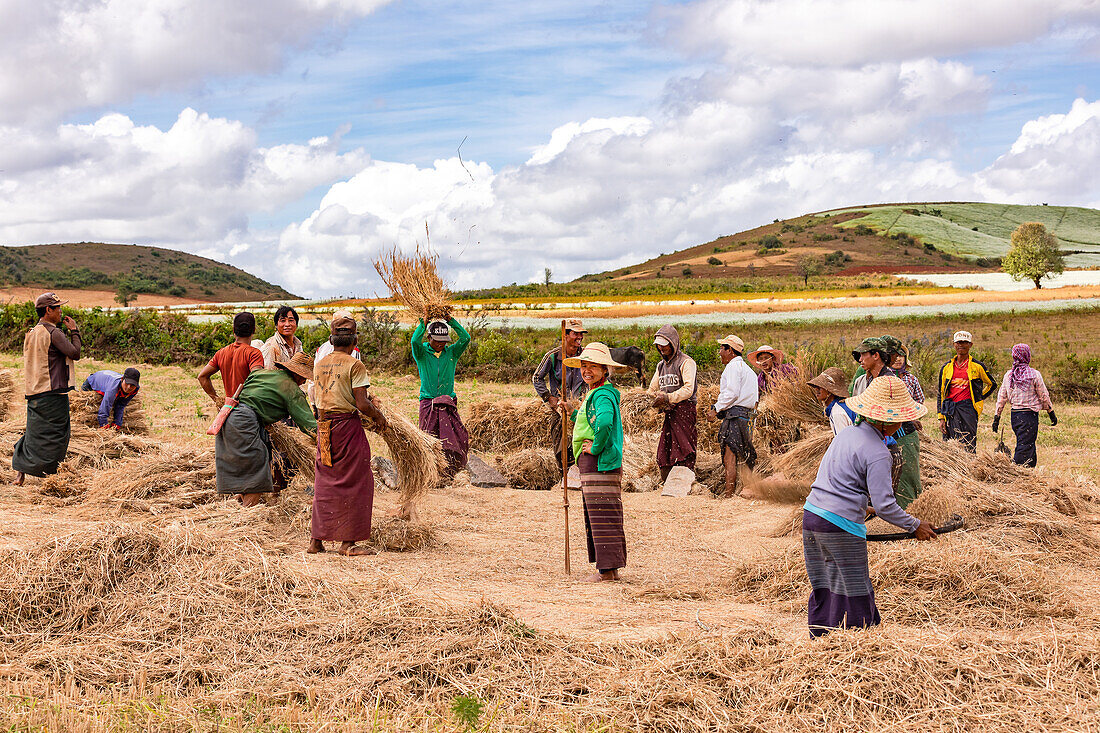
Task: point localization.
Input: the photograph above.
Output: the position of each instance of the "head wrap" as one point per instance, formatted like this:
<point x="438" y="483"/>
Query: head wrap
<point x="1021" y="369"/>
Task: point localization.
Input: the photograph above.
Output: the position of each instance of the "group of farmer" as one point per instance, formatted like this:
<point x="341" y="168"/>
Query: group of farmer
<point x="871" y="467"/>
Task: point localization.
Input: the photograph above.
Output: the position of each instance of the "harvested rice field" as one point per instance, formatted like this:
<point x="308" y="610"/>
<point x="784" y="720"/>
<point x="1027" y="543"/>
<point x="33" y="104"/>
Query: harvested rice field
<point x="133" y="598"/>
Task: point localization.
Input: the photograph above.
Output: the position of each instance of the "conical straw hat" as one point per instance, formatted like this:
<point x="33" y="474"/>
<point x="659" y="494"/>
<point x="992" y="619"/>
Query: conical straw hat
<point x="831" y="380"/>
<point x="594" y="352"/>
<point x="887" y="399"/>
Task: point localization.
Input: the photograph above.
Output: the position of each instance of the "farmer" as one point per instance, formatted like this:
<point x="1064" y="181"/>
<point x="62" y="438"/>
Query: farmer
<point x="830" y="391"/>
<point x="964" y="385"/>
<point x="854" y="471"/>
<point x="235" y="361"/>
<point x="1024" y="389"/>
<point x="326" y="348"/>
<point x="674" y="388"/>
<point x="598" y="445"/>
<point x="436" y="361"/>
<point x="117" y="391"/>
<point x="343" y="491"/>
<point x="737" y="397"/>
<point x="50" y="374"/>
<point x="874" y="356"/>
<point x="908" y="486"/>
<point x="242" y="448"/>
<point x="769" y="361"/>
<point x="283" y="344"/>
<point x="547" y="381"/>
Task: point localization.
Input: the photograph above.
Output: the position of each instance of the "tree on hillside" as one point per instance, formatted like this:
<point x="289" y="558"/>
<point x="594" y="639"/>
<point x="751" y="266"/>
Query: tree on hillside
<point x="808" y="266"/>
<point x="124" y="293"/>
<point x="1034" y="254"/>
<point x="547" y="276"/>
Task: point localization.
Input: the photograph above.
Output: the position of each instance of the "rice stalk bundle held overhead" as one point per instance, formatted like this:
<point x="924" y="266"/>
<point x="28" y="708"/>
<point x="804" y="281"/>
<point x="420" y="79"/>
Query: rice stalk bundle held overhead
<point x="415" y="282"/>
<point x="509" y="425"/>
<point x="84" y="410"/>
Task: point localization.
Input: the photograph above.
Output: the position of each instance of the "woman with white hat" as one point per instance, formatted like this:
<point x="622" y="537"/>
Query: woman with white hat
<point x="854" y="473"/>
<point x="598" y="446"/>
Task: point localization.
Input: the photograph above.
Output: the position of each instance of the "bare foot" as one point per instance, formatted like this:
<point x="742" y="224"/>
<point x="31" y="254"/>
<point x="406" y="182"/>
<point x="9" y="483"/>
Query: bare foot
<point x="350" y="549"/>
<point x="251" y="499"/>
<point x="20" y="477"/>
<point x="602" y="576"/>
<point x="315" y="546"/>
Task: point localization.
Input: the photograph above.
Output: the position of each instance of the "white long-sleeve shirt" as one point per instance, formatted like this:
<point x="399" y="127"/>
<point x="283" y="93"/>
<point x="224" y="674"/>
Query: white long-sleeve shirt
<point x="738" y="387"/>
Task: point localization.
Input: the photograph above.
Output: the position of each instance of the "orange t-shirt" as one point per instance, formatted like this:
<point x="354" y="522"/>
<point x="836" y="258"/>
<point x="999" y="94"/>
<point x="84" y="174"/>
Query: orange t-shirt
<point x="959" y="387"/>
<point x="236" y="362"/>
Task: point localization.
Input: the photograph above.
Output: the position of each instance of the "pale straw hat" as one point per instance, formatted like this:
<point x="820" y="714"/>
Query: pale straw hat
<point x="594" y="352"/>
<point x="733" y="342"/>
<point x="765" y="349"/>
<point x="887" y="399"/>
<point x="300" y="364"/>
<point x="832" y="381"/>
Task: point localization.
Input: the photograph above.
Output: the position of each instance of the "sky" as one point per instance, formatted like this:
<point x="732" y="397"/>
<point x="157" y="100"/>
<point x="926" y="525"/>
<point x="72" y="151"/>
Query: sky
<point x="299" y="139"/>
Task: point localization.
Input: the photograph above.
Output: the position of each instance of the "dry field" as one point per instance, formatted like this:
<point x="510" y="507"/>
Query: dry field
<point x="91" y="298"/>
<point x="131" y="599"/>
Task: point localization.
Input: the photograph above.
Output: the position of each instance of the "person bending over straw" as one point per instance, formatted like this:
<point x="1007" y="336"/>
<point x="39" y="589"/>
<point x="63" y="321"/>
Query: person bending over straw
<point x="343" y="490"/>
<point x="242" y="448"/>
<point x="854" y="471"/>
<point x="598" y="445"/>
<point x="738" y="394"/>
<point x="116" y="390"/>
<point x="436" y="362"/>
<point x="1024" y="389"/>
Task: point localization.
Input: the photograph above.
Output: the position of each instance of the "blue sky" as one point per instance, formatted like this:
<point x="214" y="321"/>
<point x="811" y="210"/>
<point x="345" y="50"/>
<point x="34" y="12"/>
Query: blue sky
<point x="284" y="135"/>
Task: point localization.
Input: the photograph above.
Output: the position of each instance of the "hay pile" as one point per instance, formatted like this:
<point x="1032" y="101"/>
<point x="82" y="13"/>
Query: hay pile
<point x="84" y="410"/>
<point x="640" y="472"/>
<point x="504" y="426"/>
<point x="636" y="406"/>
<point x="415" y="283"/>
<point x="534" y="469"/>
<point x="7" y="387"/>
<point x="394" y="534"/>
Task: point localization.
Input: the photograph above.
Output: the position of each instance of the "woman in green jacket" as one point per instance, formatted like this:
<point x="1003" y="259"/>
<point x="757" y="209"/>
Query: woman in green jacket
<point x="598" y="445"/>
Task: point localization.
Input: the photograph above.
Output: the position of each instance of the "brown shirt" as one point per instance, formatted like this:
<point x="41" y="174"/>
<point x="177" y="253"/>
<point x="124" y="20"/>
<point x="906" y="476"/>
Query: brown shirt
<point x="48" y="358"/>
<point x="334" y="378"/>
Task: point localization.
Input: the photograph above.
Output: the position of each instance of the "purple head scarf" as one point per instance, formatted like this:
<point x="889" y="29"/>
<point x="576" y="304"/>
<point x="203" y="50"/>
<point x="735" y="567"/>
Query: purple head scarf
<point x="1021" y="371"/>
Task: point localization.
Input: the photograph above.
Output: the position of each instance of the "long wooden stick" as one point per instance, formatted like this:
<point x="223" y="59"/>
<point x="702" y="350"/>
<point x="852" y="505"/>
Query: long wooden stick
<point x="564" y="450"/>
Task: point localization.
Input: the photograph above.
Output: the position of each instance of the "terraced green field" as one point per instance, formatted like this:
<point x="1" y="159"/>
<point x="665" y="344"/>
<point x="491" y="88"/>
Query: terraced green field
<point x="983" y="230"/>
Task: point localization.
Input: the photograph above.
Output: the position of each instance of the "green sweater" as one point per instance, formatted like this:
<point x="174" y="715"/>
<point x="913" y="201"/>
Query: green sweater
<point x="598" y="419"/>
<point x="273" y="394"/>
<point x="437" y="371"/>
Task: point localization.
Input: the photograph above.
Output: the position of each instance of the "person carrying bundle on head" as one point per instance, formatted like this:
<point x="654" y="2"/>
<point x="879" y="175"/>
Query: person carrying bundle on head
<point x="675" y="387"/>
<point x="854" y="472"/>
<point x="117" y="391"/>
<point x="242" y="448"/>
<point x="50" y="374"/>
<point x="738" y="394"/>
<point x="547" y="382"/>
<point x="963" y="386"/>
<point x="598" y="445"/>
<point x="436" y="361"/>
<point x="831" y="393"/>
<point x="343" y="491"/>
<point x="1023" y="388"/>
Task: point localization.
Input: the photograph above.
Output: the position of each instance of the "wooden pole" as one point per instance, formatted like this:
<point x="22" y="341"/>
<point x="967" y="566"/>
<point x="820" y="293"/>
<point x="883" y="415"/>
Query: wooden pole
<point x="562" y="403"/>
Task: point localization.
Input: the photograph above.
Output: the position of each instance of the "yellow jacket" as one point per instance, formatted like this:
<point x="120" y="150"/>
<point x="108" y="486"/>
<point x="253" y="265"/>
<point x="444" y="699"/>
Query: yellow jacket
<point x="978" y="380"/>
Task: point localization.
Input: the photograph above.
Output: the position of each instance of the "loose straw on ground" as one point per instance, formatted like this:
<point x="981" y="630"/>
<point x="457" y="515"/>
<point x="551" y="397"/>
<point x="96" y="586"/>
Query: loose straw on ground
<point x="84" y="410"/>
<point x="7" y="387"/>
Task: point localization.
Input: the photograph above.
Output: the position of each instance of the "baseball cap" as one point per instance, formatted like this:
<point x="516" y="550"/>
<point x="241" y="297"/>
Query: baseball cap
<point x="575" y="325"/>
<point x="438" y="330"/>
<point x="48" y="300"/>
<point x="733" y="342"/>
<point x="131" y="376"/>
<point x="962" y="336"/>
<point x="661" y="341"/>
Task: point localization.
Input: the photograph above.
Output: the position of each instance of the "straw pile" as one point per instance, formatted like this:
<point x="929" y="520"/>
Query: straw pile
<point x="415" y="283"/>
<point x="294" y="447"/>
<point x="799" y="463"/>
<point x="533" y="469"/>
<point x="504" y="426"/>
<point x="790" y="397"/>
<point x="636" y="406"/>
<point x="417" y="456"/>
<point x="7" y="387"/>
<point x="84" y="410"/>
<point x="640" y="472"/>
<point x="393" y="534"/>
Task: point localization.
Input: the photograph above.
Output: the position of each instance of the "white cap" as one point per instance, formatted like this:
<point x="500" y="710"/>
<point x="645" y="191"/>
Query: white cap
<point x="963" y="336"/>
<point x="662" y="341"/>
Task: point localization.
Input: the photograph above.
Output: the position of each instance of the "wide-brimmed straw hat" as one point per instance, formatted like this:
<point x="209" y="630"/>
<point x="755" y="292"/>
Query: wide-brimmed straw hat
<point x="887" y="399"/>
<point x="832" y="381"/>
<point x="765" y="349"/>
<point x="733" y="342"/>
<point x="299" y="364"/>
<point x="594" y="352"/>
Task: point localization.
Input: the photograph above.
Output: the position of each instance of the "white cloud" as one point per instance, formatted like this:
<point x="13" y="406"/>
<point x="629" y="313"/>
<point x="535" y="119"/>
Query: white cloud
<point x="564" y="135"/>
<point x="61" y="55"/>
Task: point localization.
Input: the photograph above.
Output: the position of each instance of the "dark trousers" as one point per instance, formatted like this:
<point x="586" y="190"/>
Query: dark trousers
<point x="1025" y="424"/>
<point x="962" y="424"/>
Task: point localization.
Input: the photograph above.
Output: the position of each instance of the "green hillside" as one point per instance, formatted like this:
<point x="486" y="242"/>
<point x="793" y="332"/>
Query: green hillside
<point x="983" y="230"/>
<point x="97" y="266"/>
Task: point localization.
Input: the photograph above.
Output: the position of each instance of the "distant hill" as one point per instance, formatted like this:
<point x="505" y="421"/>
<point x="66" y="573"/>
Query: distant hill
<point x="97" y="266"/>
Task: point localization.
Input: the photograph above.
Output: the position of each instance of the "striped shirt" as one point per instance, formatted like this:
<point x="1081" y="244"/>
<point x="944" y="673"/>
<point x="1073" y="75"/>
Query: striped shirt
<point x="1031" y="396"/>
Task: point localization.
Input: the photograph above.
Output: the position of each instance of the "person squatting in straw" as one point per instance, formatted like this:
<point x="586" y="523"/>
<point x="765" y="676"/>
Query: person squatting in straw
<point x="242" y="448"/>
<point x="1024" y="389"/>
<point x="854" y="472"/>
<point x="963" y="386"/>
<point x="117" y="391"/>
<point x="598" y="445"/>
<point x="50" y="374"/>
<point x="547" y="382"/>
<point x="738" y="394"/>
<point x="674" y="388"/>
<point x="435" y="363"/>
<point x="343" y="491"/>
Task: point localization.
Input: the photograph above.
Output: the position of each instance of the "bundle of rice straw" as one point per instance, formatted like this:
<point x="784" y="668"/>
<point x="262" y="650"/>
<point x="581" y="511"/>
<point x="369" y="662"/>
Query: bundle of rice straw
<point x="417" y="457"/>
<point x="503" y="426"/>
<point x="7" y="386"/>
<point x="297" y="448"/>
<point x="532" y="469"/>
<point x="800" y="462"/>
<point x="414" y="281"/>
<point x="640" y="472"/>
<point x="152" y="483"/>
<point x="791" y="398"/>
<point x="397" y="535"/>
<point x="84" y="410"/>
<point x="639" y="416"/>
<point x="707" y="430"/>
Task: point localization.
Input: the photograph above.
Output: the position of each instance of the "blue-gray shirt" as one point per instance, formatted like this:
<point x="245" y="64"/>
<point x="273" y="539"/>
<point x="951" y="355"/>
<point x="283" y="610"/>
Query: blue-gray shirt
<point x="856" y="467"/>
